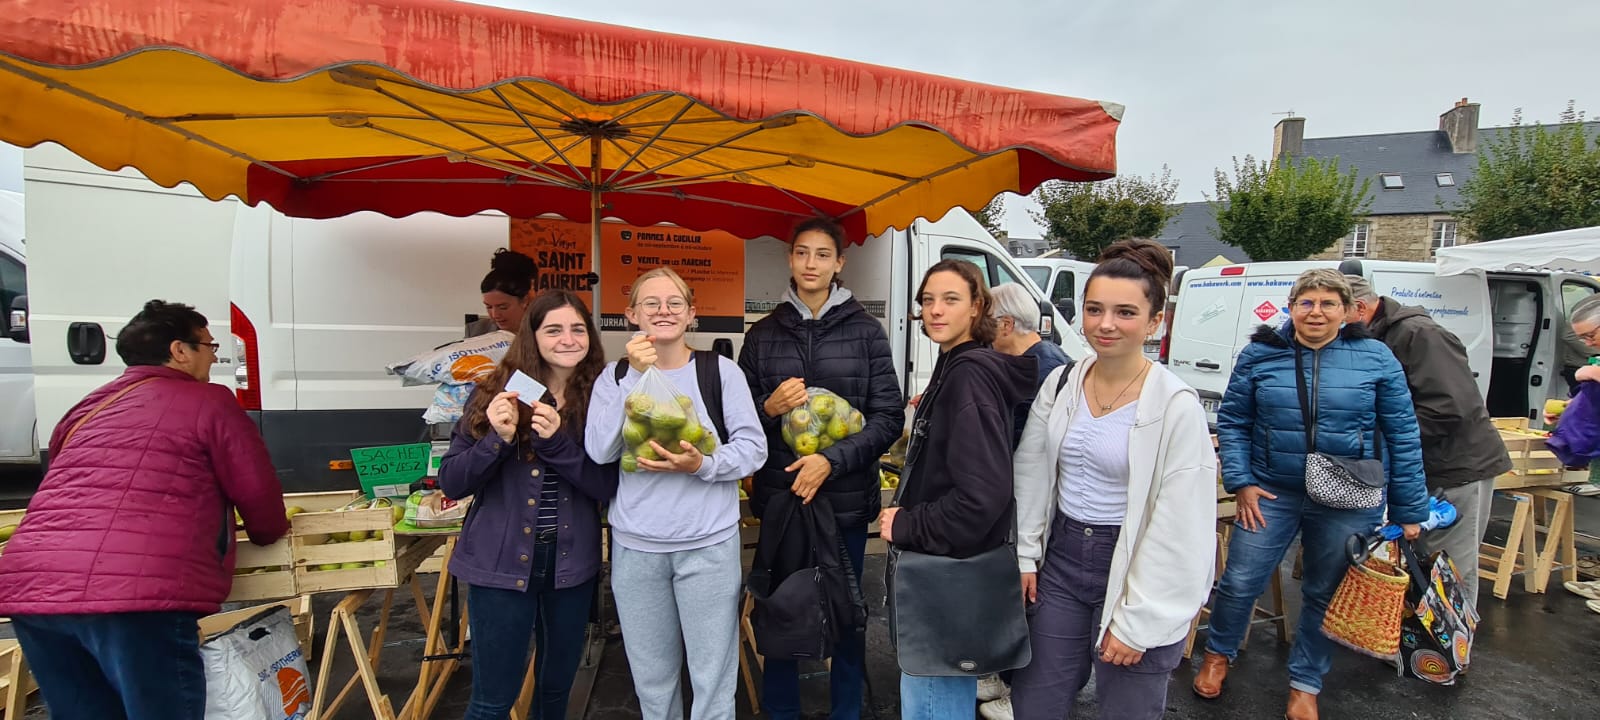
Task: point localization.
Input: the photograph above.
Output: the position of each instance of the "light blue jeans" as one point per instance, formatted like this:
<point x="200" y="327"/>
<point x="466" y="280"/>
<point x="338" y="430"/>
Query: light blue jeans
<point x="938" y="698"/>
<point x="1254" y="556"/>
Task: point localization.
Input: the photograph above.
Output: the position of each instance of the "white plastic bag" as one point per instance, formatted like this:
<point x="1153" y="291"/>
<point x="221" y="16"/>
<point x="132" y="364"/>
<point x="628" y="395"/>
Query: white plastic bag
<point x="256" y="670"/>
<point x="449" y="403"/>
<point x="657" y="411"/>
<point x="466" y="361"/>
<point x="824" y="420"/>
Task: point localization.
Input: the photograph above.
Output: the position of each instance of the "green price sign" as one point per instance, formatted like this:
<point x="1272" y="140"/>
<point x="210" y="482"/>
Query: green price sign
<point x="389" y="470"/>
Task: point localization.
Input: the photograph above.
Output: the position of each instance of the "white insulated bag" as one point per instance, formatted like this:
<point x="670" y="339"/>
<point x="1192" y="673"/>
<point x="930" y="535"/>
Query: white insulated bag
<point x="256" y="670"/>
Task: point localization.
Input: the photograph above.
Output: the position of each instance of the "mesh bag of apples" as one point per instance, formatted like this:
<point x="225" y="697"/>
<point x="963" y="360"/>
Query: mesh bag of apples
<point x="657" y="411"/>
<point x="824" y="420"/>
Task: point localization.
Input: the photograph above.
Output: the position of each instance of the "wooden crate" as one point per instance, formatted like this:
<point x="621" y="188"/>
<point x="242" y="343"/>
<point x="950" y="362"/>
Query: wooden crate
<point x="267" y="573"/>
<point x="16" y="683"/>
<point x="300" y="607"/>
<point x="380" y="561"/>
<point x="1532" y="463"/>
<point x="10" y="517"/>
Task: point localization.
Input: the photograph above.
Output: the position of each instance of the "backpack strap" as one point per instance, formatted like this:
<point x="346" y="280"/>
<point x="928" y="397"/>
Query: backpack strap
<point x="621" y="372"/>
<point x="1066" y="374"/>
<point x="708" y="373"/>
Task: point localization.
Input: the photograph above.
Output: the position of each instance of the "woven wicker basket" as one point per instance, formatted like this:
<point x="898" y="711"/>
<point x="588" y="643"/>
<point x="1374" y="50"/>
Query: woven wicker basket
<point x="1364" y="614"/>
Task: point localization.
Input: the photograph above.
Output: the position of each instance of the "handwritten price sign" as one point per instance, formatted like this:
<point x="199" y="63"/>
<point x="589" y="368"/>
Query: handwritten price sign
<point x="389" y="470"/>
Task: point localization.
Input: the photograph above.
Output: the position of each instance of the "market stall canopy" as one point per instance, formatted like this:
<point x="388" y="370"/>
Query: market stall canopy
<point x="401" y="106"/>
<point x="1565" y="250"/>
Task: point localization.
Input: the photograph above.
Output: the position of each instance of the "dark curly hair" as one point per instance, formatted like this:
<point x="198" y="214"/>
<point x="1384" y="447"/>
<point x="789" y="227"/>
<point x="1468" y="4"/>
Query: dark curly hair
<point x="147" y="338"/>
<point x="510" y="272"/>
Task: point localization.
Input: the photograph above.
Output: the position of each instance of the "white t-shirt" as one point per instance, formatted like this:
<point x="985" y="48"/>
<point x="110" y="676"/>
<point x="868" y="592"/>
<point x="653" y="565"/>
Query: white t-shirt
<point x="1093" y="464"/>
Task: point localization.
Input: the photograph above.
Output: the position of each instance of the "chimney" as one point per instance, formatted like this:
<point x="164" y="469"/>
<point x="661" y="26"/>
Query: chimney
<point x="1288" y="137"/>
<point x="1460" y="124"/>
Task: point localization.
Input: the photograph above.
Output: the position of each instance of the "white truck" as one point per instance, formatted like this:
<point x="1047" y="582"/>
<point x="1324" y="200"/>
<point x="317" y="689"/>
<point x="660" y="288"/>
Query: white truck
<point x="1512" y="323"/>
<point x="317" y="308"/>
<point x="18" y="444"/>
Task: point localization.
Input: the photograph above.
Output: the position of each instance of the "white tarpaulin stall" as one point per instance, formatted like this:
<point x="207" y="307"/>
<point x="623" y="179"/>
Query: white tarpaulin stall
<point x="1566" y="250"/>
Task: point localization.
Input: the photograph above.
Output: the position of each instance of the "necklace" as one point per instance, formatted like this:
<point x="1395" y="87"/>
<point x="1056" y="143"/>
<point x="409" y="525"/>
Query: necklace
<point x="1106" y="407"/>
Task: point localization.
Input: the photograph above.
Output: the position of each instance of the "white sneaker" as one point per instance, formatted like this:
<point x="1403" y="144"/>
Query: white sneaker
<point x="991" y="687"/>
<point x="1594" y="605"/>
<point x="1590" y="589"/>
<point x="1001" y="709"/>
<point x="1584" y="489"/>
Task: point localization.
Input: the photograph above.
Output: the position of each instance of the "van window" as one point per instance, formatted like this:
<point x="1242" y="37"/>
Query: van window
<point x="1040" y="276"/>
<point x="1063" y="289"/>
<point x="1572" y="293"/>
<point x="976" y="258"/>
<point x="13" y="282"/>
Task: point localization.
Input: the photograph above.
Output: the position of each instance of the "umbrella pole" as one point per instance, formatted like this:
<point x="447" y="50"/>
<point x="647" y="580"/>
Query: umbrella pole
<point x="594" y="227"/>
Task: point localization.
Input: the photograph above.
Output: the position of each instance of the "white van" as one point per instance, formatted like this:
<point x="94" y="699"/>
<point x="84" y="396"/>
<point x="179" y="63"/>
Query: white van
<point x="1507" y="322"/>
<point x="1062" y="281"/>
<point x="18" y="443"/>
<point x="317" y="308"/>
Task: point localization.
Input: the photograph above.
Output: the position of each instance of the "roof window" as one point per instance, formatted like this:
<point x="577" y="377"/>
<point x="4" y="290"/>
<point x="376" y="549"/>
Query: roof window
<point x="1392" y="181"/>
<point x="1445" y="179"/>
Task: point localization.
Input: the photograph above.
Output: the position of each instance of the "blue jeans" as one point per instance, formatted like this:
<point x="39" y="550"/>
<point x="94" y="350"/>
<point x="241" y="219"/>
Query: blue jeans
<point x="116" y="666"/>
<point x="937" y="698"/>
<point x="503" y="621"/>
<point x="1254" y="556"/>
<point x="780" y="679"/>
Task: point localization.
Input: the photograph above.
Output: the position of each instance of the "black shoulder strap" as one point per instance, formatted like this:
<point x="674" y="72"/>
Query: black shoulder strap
<point x="621" y="371"/>
<point x="708" y="373"/>
<point x="1066" y="374"/>
<point x="1308" y="412"/>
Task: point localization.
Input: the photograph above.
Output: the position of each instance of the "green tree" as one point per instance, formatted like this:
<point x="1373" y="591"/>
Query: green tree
<point x="993" y="216"/>
<point x="1083" y="218"/>
<point x="1289" y="210"/>
<point x="1534" y="179"/>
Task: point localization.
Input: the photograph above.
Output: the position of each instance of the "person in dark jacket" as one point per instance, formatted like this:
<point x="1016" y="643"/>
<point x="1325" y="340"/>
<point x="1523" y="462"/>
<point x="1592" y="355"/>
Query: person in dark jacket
<point x="1359" y="397"/>
<point x="1461" y="450"/>
<point x="957" y="500"/>
<point x="130" y="538"/>
<point x="822" y="337"/>
<point x="530" y="548"/>
<point x="1016" y="315"/>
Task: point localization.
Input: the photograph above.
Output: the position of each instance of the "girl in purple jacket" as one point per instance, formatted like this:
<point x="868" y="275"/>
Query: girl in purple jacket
<point x="530" y="548"/>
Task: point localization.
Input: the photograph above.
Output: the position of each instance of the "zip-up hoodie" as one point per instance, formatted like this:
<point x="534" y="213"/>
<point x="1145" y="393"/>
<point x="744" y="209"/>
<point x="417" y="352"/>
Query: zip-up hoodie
<point x="1359" y="390"/>
<point x="1161" y="569"/>
<point x="664" y="511"/>
<point x="955" y="498"/>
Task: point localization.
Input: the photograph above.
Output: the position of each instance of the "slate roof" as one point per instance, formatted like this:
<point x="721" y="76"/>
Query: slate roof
<point x="1417" y="157"/>
<point x="1192" y="234"/>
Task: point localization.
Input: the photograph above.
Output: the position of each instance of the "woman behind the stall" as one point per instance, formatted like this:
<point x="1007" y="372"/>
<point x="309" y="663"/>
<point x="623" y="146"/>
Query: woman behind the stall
<point x="530" y="548"/>
<point x="507" y="291"/>
<point x="675" y="566"/>
<point x="822" y="337"/>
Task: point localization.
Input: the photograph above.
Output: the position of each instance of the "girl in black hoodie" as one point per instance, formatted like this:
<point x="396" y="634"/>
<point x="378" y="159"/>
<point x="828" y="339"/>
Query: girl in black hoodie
<point x="957" y="500"/>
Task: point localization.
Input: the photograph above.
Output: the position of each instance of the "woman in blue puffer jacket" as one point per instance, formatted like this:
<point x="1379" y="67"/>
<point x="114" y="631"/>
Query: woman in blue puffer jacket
<point x="1360" y="397"/>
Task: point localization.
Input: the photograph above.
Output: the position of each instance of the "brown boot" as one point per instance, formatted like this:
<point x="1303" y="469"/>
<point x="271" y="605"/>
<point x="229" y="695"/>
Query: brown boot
<point x="1302" y="706"/>
<point x="1213" y="670"/>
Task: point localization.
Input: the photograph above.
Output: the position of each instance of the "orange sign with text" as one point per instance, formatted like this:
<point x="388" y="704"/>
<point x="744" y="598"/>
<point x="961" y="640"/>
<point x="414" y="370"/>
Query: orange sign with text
<point x="712" y="262"/>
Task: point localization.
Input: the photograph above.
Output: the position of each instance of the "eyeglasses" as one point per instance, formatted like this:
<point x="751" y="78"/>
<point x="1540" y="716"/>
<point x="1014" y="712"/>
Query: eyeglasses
<point x="1326" y="305"/>
<point x="215" y="347"/>
<point x="1589" y="337"/>
<point x="673" y="305"/>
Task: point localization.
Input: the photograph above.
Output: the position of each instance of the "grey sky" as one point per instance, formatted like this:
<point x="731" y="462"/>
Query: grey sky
<point x="1201" y="81"/>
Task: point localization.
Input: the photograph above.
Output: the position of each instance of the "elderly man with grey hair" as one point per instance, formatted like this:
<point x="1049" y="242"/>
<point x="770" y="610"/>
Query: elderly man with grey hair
<point x="1017" y="313"/>
<point x="1461" y="450"/>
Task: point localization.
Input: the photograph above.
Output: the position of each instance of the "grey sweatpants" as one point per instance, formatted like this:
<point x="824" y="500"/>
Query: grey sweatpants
<point x="667" y="601"/>
<point x="1473" y="502"/>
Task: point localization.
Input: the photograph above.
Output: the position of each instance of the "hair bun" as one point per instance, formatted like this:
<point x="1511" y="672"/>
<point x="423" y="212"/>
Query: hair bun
<point x="512" y="261"/>
<point x="1151" y="257"/>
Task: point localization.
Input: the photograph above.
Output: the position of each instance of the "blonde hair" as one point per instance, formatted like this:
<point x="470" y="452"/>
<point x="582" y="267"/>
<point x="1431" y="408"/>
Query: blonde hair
<point x="661" y="272"/>
<point x="1322" y="279"/>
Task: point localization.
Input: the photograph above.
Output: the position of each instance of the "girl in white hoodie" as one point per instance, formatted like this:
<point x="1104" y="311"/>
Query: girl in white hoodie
<point x="1116" y="500"/>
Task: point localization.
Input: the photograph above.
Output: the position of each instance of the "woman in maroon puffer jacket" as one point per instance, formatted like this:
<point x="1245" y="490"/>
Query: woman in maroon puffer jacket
<point x="130" y="537"/>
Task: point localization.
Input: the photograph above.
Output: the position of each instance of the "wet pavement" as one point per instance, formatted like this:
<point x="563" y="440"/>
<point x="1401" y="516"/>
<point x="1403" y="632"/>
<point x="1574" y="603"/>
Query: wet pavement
<point x="1535" y="657"/>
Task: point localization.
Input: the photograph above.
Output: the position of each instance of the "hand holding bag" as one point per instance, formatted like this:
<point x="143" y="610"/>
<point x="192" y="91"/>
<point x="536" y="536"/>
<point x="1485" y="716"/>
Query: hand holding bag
<point x="1337" y="482"/>
<point x="951" y="617"/>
